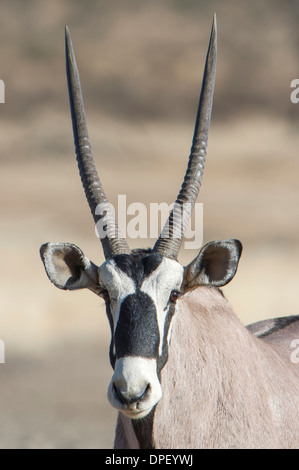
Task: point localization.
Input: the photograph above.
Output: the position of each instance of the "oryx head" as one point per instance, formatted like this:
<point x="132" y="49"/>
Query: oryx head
<point x="141" y="288"/>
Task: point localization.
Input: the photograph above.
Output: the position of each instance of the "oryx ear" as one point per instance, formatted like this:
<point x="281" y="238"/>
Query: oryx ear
<point x="216" y="264"/>
<point x="68" y="268"/>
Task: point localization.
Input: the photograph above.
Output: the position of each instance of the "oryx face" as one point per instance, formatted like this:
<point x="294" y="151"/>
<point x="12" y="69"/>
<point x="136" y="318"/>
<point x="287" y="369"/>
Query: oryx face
<point x="140" y="292"/>
<point x="141" y="287"/>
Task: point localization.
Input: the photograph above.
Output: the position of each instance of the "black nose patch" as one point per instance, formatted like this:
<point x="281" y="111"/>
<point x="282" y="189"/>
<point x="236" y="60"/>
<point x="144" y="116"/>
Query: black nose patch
<point x="137" y="332"/>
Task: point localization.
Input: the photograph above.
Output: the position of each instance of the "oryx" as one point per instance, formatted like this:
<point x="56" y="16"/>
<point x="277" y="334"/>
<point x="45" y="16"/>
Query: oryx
<point x="187" y="373"/>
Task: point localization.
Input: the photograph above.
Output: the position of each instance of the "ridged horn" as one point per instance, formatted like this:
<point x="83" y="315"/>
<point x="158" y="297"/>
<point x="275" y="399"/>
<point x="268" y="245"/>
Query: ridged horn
<point x="170" y="240"/>
<point x="112" y="244"/>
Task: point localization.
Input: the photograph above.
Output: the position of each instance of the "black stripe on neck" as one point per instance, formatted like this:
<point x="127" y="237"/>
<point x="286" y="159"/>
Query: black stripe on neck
<point x="144" y="430"/>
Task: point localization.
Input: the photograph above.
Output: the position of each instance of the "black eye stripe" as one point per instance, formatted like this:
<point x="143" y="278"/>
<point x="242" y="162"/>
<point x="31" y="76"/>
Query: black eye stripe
<point x="163" y="358"/>
<point x="111" y="323"/>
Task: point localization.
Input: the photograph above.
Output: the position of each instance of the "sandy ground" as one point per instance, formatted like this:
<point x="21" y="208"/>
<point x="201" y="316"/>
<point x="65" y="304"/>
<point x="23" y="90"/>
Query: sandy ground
<point x="140" y="112"/>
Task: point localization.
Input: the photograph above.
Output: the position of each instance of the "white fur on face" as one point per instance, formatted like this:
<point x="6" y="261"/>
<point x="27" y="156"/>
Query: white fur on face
<point x="159" y="285"/>
<point x="118" y="284"/>
<point x="132" y="376"/>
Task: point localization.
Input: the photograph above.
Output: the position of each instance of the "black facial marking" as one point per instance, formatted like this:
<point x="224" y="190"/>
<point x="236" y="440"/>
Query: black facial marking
<point x="137" y="332"/>
<point x="163" y="358"/>
<point x="111" y="353"/>
<point x="138" y="265"/>
<point x="151" y="263"/>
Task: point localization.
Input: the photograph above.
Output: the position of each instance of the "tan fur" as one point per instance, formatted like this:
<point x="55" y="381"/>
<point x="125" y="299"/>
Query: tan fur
<point x="125" y="437"/>
<point x="222" y="386"/>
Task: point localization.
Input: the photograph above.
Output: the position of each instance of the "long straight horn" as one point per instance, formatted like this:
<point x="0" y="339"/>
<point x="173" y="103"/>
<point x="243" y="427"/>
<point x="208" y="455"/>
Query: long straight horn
<point x="112" y="243"/>
<point x="170" y="240"/>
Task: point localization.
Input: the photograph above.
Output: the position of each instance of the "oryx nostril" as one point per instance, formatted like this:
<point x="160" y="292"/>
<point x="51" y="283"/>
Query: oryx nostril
<point x="128" y="399"/>
<point x="119" y="394"/>
<point x="145" y="392"/>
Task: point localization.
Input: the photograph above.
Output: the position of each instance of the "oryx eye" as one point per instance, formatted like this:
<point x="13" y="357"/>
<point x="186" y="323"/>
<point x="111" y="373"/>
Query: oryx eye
<point x="174" y="296"/>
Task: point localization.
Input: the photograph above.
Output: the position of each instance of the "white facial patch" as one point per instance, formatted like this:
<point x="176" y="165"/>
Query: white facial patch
<point x="118" y="285"/>
<point x="159" y="285"/>
<point x="132" y="376"/>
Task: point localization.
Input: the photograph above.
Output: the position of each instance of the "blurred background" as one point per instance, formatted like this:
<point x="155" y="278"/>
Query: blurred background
<point x="141" y="65"/>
